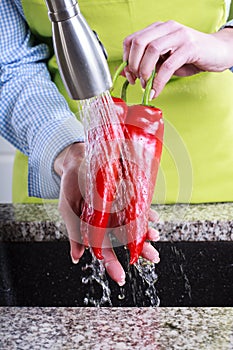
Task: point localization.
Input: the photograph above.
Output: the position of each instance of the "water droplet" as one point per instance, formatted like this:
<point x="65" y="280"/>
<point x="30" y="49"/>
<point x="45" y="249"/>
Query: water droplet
<point x="85" y="280"/>
<point x="121" y="296"/>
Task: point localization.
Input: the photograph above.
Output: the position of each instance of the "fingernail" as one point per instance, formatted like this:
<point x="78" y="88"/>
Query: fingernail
<point x="129" y="77"/>
<point x="121" y="283"/>
<point x="74" y="261"/>
<point x="158" y="235"/>
<point x="143" y="83"/>
<point x="156" y="260"/>
<point x="152" y="94"/>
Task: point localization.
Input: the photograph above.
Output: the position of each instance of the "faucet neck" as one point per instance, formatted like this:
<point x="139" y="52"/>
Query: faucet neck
<point x="61" y="10"/>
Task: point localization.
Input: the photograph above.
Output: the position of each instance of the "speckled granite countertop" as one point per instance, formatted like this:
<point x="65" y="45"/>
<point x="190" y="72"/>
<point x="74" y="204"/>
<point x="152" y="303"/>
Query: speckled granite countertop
<point x="61" y="328"/>
<point x="116" y="328"/>
<point x="203" y="222"/>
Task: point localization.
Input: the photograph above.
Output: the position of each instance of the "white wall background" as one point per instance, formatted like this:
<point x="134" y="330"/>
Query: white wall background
<point x="7" y="153"/>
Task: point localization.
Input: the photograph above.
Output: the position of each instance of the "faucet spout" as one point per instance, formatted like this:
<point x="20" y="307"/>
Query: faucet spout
<point x="80" y="58"/>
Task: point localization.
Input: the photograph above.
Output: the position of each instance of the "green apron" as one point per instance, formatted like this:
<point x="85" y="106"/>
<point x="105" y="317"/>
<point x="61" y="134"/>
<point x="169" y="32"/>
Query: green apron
<point x="197" y="159"/>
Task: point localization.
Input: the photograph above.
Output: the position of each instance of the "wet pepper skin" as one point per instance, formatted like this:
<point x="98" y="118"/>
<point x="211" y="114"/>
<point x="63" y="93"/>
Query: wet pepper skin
<point x="144" y="129"/>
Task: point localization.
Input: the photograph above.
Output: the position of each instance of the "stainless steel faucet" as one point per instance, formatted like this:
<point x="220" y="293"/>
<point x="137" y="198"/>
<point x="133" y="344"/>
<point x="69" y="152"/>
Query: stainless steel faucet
<point x="81" y="60"/>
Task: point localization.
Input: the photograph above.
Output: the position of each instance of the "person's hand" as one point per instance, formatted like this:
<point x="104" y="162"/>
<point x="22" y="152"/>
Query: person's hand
<point x="175" y="49"/>
<point x="69" y="165"/>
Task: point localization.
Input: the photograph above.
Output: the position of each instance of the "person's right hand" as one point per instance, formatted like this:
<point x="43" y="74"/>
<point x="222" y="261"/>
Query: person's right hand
<point x="174" y="48"/>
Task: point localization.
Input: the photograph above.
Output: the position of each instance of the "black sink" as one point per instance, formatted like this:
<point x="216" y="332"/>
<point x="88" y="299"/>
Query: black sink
<point x="189" y="274"/>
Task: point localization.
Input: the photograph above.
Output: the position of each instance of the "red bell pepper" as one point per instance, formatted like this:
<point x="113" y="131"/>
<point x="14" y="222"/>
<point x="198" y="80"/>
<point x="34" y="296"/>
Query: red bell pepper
<point x="144" y="129"/>
<point x="148" y="136"/>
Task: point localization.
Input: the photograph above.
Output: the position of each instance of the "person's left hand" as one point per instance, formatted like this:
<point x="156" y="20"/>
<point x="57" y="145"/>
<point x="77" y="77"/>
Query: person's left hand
<point x="175" y="49"/>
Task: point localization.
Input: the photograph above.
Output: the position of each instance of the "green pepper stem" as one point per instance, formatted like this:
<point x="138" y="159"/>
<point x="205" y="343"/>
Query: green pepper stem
<point x="124" y="90"/>
<point x="146" y="95"/>
<point x="118" y="72"/>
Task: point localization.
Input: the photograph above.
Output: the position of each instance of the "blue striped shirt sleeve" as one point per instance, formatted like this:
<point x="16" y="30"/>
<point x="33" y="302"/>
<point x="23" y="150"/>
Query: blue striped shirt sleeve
<point x="34" y="116"/>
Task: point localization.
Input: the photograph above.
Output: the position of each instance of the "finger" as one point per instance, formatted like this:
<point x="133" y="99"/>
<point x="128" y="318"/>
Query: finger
<point x="112" y="265"/>
<point x="157" y="49"/>
<point x="136" y="52"/>
<point x="153" y="215"/>
<point x="127" y="43"/>
<point x="168" y="68"/>
<point x="145" y="35"/>
<point x="139" y="44"/>
<point x="71" y="219"/>
<point x="72" y="223"/>
<point x="153" y="234"/>
<point x="76" y="251"/>
<point x="130" y="76"/>
<point x="150" y="253"/>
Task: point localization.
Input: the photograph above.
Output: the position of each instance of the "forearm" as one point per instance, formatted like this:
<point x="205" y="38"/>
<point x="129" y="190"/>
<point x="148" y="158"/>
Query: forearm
<point x="37" y="120"/>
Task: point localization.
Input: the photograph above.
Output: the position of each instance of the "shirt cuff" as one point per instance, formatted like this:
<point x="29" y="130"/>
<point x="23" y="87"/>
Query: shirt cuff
<point x="43" y="182"/>
<point x="227" y="24"/>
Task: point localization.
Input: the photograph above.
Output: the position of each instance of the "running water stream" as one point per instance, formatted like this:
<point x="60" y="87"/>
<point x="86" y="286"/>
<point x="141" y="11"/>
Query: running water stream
<point x="95" y="275"/>
<point x="106" y="149"/>
<point x="108" y="160"/>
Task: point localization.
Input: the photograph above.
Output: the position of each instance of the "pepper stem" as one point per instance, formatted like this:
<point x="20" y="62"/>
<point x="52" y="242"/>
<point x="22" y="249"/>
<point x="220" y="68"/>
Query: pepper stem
<point x="124" y="90"/>
<point x="118" y="72"/>
<point x="146" y="95"/>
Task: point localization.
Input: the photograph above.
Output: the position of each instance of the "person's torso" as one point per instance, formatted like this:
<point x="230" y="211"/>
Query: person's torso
<point x="197" y="155"/>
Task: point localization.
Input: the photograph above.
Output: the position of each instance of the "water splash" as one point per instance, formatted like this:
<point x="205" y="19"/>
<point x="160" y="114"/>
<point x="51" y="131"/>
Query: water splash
<point x="96" y="274"/>
<point x="147" y="272"/>
<point x="105" y="142"/>
<point x="180" y="255"/>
